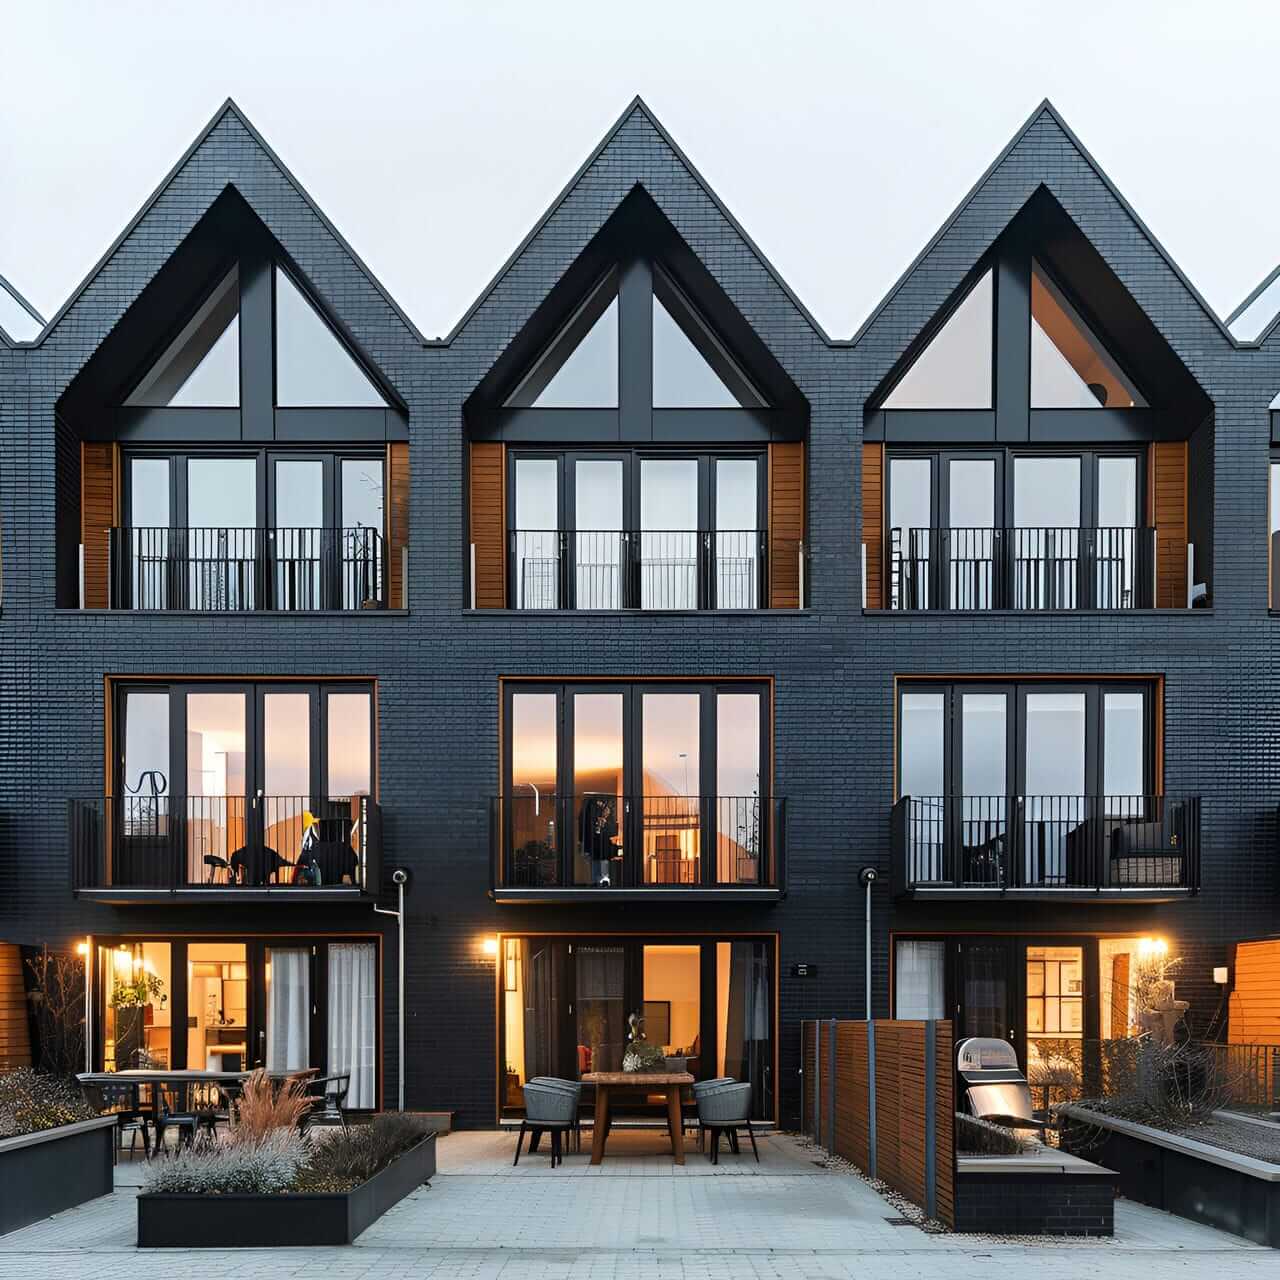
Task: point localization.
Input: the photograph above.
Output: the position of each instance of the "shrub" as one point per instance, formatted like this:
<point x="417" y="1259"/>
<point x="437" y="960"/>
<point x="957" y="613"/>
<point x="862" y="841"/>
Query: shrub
<point x="264" y="1108"/>
<point x="265" y="1167"/>
<point x="31" y="1102"/>
<point x="341" y="1161"/>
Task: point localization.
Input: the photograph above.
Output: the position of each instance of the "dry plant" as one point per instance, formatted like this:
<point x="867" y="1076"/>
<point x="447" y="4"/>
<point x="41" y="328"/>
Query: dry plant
<point x="57" y="996"/>
<point x="265" y="1108"/>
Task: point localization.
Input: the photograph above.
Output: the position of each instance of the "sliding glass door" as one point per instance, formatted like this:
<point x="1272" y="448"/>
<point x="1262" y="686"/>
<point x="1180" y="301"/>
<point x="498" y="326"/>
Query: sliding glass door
<point x="570" y="1006"/>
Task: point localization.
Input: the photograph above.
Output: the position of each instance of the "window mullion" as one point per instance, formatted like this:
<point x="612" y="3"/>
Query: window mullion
<point x="635" y="351"/>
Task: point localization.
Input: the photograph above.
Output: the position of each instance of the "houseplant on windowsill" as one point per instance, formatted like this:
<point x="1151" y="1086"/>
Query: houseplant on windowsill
<point x="131" y="998"/>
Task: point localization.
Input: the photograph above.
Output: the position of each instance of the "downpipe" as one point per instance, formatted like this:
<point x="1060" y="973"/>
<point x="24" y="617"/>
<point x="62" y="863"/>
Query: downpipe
<point x="401" y="878"/>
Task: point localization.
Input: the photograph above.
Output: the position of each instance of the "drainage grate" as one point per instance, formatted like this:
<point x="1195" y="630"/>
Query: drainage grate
<point x="900" y="1222"/>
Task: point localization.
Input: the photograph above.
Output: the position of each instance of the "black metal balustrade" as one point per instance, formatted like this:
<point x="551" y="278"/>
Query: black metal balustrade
<point x="644" y="569"/>
<point x="597" y="842"/>
<point x="233" y="570"/>
<point x="228" y="843"/>
<point x="999" y="843"/>
<point x="1046" y="568"/>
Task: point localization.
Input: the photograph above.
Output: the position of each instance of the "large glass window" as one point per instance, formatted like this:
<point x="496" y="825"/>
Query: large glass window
<point x="136" y="981"/>
<point x="636" y="785"/>
<point x="919" y="979"/>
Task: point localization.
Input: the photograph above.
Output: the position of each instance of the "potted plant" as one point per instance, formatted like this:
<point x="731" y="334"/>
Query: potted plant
<point x="131" y="999"/>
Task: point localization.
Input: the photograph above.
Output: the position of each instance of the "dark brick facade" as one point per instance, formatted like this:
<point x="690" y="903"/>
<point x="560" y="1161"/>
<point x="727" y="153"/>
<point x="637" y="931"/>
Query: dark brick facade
<point x="438" y="664"/>
<point x="1036" y="1204"/>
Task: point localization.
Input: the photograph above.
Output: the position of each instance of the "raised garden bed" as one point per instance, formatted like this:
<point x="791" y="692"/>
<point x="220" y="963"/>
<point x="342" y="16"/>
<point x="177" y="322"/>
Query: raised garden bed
<point x="1039" y="1192"/>
<point x="291" y="1219"/>
<point x="1206" y="1183"/>
<point x="45" y="1172"/>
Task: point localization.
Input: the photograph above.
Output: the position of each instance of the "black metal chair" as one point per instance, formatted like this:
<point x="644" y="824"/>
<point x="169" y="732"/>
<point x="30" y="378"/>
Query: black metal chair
<point x="174" y="1110"/>
<point x="121" y="1100"/>
<point x="328" y="1098"/>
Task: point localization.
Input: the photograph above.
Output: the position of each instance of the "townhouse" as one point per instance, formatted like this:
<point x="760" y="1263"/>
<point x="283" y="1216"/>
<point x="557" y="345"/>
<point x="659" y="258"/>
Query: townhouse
<point x="619" y="631"/>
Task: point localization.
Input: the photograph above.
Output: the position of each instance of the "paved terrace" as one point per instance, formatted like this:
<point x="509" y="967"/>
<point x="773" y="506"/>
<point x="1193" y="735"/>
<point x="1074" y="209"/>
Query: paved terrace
<point x="637" y="1215"/>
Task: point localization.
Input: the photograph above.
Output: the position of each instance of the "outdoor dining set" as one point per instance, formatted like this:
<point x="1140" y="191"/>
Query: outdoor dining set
<point x="151" y="1102"/>
<point x="552" y="1106"/>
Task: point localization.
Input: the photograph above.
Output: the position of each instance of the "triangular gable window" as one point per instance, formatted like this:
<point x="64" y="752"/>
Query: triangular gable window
<point x="1070" y="368"/>
<point x="955" y="370"/>
<point x="200" y="369"/>
<point x="682" y="378"/>
<point x="580" y="368"/>
<point x="314" y="370"/>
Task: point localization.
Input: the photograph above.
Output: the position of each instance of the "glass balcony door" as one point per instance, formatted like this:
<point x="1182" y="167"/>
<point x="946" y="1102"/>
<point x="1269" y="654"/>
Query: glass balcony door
<point x="217" y="738"/>
<point x="669" y="540"/>
<point x="299" y="566"/>
<point x="735" y="543"/>
<point x="670" y="771"/>
<point x="535" y="555"/>
<point x="222" y="533"/>
<point x="600" y="563"/>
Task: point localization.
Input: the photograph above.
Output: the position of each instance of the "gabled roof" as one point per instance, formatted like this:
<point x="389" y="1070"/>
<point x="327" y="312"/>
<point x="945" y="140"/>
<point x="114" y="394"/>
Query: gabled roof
<point x="1256" y="318"/>
<point x="1034" y="157"/>
<point x="210" y="185"/>
<point x="17" y="316"/>
<point x="612" y="151"/>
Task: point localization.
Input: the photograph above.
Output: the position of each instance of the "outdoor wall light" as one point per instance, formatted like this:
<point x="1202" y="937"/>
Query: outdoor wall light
<point x="490" y="946"/>
<point x="82" y="948"/>
<point x="1220" y="975"/>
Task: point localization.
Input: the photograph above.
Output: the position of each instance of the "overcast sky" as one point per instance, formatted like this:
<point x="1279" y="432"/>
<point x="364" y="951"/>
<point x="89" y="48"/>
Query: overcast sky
<point x="840" y="134"/>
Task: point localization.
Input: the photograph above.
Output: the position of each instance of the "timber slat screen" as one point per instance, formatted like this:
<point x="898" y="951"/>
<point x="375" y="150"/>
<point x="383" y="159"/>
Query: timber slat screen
<point x="15" y="1040"/>
<point x="903" y="1130"/>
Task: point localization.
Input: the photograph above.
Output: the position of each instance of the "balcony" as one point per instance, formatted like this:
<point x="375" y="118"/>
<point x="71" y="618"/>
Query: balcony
<point x="1025" y="569"/>
<point x="650" y="569"/>
<point x="1051" y="848"/>
<point x="142" y="848"/>
<point x="246" y="570"/>
<point x="602" y="847"/>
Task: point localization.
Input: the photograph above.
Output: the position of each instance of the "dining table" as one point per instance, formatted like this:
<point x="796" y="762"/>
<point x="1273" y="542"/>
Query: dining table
<point x="667" y="1082"/>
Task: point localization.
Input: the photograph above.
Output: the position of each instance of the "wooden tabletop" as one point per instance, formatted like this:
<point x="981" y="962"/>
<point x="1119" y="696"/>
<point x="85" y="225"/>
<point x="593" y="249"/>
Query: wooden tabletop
<point x="651" y="1079"/>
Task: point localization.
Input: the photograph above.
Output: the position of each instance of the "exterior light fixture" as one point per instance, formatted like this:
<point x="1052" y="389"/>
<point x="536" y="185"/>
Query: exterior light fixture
<point x="490" y="946"/>
<point x="511" y="965"/>
<point x="82" y="948"/>
<point x="1220" y="975"/>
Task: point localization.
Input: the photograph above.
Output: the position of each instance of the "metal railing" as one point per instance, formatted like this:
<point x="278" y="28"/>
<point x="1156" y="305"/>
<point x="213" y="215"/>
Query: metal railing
<point x="232" y="570"/>
<point x="599" y="841"/>
<point x="643" y="569"/>
<point x="1046" y="842"/>
<point x="225" y="842"/>
<point x="1033" y="569"/>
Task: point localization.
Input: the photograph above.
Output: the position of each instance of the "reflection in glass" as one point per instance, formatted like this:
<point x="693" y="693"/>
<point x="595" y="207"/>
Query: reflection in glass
<point x="984" y="783"/>
<point x="669" y="533"/>
<point x="216" y="783"/>
<point x="1070" y="368"/>
<point x="971" y="536"/>
<point x="984" y="990"/>
<point x="532" y="804"/>
<point x="737" y="544"/>
<point x="682" y="378"/>
<point x="588" y="378"/>
<point x="740" y="817"/>
<point x="597" y="788"/>
<point x="1116" y="544"/>
<point x="537" y="550"/>
<point x="313" y="368"/>
<point x="920" y="776"/>
<point x="1054" y="783"/>
<point x="1123" y="752"/>
<point x="1046" y="517"/>
<point x="599" y="562"/>
<point x="350" y="744"/>
<point x="362" y="526"/>
<point x="286" y="773"/>
<point x="144" y="789"/>
<point x="150" y="517"/>
<point x="955" y="370"/>
<point x="298" y="557"/>
<point x="670" y="774"/>
<point x="222" y="518"/>
<point x="910" y="518"/>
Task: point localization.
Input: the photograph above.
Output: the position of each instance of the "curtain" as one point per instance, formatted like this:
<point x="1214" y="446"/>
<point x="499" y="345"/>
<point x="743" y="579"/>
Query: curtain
<point x="353" y="1017"/>
<point x="288" y="1008"/>
<point x="918" y="980"/>
<point x="748" y="1040"/>
<point x="600" y="975"/>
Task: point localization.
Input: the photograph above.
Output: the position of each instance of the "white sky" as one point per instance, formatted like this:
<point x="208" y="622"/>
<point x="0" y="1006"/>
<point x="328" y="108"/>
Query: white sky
<point x="839" y="134"/>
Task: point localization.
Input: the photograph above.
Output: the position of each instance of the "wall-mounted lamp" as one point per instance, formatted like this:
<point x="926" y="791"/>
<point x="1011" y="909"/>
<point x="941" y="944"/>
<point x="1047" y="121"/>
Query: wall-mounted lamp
<point x="1220" y="975"/>
<point x="490" y="946"/>
<point x="511" y="965"/>
<point x="82" y="948"/>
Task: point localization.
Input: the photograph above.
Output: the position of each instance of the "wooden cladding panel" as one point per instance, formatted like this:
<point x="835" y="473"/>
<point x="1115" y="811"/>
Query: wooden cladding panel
<point x="15" y="1035"/>
<point x="1167" y="481"/>
<point x="1255" y="1002"/>
<point x="397" y="522"/>
<point x="873" y="522"/>
<point x="853" y="1112"/>
<point x="807" y="1034"/>
<point x="488" y="523"/>
<point x="822" y="1127"/>
<point x="786" y="523"/>
<point x="99" y="490"/>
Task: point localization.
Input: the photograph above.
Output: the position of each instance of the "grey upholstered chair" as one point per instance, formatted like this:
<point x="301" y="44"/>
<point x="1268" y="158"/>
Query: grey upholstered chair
<point x="550" y="1106"/>
<point x="698" y="1089"/>
<point x="725" y="1107"/>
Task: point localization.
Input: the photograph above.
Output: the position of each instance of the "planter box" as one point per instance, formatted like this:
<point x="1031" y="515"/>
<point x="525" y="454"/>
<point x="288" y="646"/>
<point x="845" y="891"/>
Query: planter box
<point x="257" y="1222"/>
<point x="1207" y="1184"/>
<point x="43" y="1173"/>
<point x="1045" y="1193"/>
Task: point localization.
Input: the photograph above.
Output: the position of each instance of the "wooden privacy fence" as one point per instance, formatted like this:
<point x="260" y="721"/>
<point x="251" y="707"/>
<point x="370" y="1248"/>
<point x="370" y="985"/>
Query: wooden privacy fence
<point x="881" y="1095"/>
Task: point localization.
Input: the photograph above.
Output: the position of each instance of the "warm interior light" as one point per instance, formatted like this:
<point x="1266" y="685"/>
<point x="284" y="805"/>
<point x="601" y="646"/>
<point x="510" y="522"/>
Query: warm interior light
<point x="490" y="946"/>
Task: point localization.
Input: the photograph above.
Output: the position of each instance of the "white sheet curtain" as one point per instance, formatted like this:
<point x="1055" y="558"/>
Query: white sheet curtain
<point x="353" y="1015"/>
<point x="288" y="1008"/>
<point x="918" y="980"/>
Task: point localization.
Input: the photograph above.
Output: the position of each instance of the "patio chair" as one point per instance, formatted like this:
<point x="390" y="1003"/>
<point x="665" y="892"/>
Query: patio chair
<point x="698" y="1088"/>
<point x="548" y="1108"/>
<point x="173" y="1110"/>
<point x="328" y="1098"/>
<point x="121" y="1100"/>
<point x="567" y="1086"/>
<point x="726" y="1108"/>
